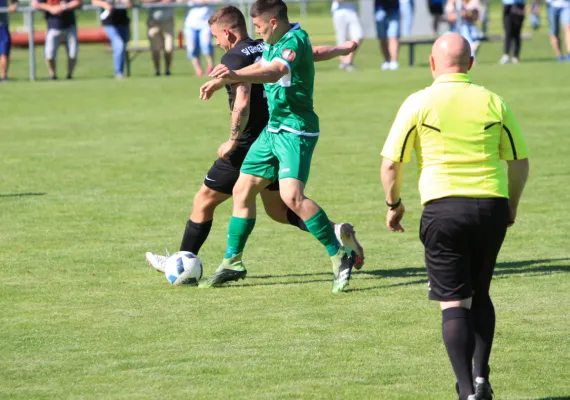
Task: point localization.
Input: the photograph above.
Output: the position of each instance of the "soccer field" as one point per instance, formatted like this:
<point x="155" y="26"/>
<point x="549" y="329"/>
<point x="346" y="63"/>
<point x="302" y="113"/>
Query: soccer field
<point x="94" y="172"/>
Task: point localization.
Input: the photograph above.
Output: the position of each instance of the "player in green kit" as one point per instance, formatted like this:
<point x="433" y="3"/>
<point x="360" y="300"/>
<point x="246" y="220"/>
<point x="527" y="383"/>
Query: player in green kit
<point x="284" y="149"/>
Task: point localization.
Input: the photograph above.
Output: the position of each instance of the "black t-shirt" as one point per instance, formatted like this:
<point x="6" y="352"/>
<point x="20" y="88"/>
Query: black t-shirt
<point x="117" y="17"/>
<point x="62" y="21"/>
<point x="247" y="52"/>
<point x="387" y="5"/>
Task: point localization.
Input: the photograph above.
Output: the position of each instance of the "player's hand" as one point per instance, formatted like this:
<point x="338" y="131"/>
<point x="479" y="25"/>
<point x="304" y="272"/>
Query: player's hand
<point x="208" y="89"/>
<point x="348" y="47"/>
<point x="221" y="71"/>
<point x="393" y="218"/>
<point x="512" y="216"/>
<point x="226" y="148"/>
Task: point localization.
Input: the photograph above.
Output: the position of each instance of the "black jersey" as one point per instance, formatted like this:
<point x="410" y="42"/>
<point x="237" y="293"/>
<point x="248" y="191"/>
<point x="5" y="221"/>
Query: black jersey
<point x="247" y="52"/>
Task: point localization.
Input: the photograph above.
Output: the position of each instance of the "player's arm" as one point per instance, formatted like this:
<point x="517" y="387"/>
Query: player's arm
<point x="325" y="53"/>
<point x="240" y="116"/>
<point x="396" y="151"/>
<point x="255" y="73"/>
<point x="208" y="89"/>
<point x="72" y="5"/>
<point x="514" y="150"/>
<point x="12" y="7"/>
<point x="102" y="3"/>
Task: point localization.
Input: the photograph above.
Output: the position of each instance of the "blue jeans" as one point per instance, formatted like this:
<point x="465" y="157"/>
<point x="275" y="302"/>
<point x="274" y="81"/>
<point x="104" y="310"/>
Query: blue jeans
<point x="558" y="16"/>
<point x="119" y="36"/>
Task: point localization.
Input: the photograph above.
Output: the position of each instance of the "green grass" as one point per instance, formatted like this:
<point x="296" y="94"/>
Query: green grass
<point x="95" y="172"/>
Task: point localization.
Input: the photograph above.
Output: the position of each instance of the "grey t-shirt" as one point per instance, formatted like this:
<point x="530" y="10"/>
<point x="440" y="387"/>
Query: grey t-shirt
<point x="160" y="14"/>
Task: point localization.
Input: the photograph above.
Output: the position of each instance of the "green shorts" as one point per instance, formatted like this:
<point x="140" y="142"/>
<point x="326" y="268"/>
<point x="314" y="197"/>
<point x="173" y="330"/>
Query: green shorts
<point x="280" y="155"/>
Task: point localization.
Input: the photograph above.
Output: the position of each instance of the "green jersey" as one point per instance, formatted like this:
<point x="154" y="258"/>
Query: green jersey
<point x="290" y="100"/>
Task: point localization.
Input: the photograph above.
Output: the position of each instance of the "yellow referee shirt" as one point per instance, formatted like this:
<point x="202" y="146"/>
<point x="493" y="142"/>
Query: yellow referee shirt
<point x="460" y="132"/>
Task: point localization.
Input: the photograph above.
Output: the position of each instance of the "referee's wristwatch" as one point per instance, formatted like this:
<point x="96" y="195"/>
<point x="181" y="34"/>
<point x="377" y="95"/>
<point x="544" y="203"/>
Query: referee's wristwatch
<point x="395" y="205"/>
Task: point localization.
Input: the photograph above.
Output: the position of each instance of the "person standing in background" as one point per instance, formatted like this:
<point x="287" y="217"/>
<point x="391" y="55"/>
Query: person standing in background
<point x="407" y="14"/>
<point x="116" y="24"/>
<point x="469" y="16"/>
<point x="198" y="35"/>
<point x="60" y="19"/>
<point x="436" y="10"/>
<point x="559" y="14"/>
<point x="513" y="18"/>
<point x="5" y="39"/>
<point x="160" y="24"/>
<point x="346" y="25"/>
<point x="387" y="16"/>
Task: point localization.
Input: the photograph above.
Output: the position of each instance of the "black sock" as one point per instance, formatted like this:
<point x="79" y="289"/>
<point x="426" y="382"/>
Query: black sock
<point x="458" y="336"/>
<point x="295" y="220"/>
<point x="483" y="317"/>
<point x="195" y="235"/>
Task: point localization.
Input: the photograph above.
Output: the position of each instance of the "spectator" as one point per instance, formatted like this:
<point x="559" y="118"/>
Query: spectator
<point x="5" y="39"/>
<point x="160" y="26"/>
<point x="484" y="16"/>
<point x="116" y="24"/>
<point x="436" y="10"/>
<point x="407" y="13"/>
<point x="513" y="18"/>
<point x="346" y="20"/>
<point x="559" y="14"/>
<point x="469" y="16"/>
<point x="387" y="16"/>
<point x="60" y="19"/>
<point x="199" y="36"/>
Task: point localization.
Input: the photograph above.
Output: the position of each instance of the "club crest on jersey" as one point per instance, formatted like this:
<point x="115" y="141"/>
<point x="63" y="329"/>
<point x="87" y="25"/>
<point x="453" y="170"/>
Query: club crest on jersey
<point x="288" y="55"/>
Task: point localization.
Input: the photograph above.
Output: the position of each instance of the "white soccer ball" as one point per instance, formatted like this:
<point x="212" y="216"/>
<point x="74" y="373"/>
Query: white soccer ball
<point x="183" y="268"/>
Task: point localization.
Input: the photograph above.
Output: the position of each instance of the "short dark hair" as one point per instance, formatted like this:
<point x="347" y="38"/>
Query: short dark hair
<point x="277" y="8"/>
<point x="230" y="17"/>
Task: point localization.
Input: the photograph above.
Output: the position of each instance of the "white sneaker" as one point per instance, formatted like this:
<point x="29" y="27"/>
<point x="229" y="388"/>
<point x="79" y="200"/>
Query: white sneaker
<point x="347" y="237"/>
<point x="385" y="66"/>
<point x="342" y="66"/>
<point x="394" y="65"/>
<point x="504" y="60"/>
<point x="156" y="261"/>
<point x="350" y="68"/>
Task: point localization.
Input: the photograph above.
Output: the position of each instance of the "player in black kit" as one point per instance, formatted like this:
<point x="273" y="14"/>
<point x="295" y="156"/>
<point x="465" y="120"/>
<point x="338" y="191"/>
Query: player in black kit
<point x="249" y="116"/>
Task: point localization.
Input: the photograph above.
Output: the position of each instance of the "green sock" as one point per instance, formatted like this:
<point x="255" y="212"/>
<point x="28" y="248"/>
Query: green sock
<point x="321" y="228"/>
<point x="238" y="232"/>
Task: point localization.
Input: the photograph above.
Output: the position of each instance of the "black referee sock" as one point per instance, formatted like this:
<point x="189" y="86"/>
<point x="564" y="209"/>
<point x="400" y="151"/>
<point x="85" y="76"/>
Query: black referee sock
<point x="458" y="336"/>
<point x="195" y="235"/>
<point x="295" y="220"/>
<point x="483" y="317"/>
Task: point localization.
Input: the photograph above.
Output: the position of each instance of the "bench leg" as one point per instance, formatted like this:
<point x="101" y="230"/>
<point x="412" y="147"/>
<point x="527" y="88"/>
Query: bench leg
<point x="411" y="54"/>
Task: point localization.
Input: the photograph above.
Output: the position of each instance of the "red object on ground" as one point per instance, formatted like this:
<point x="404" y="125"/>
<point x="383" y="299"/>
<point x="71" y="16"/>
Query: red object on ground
<point x="84" y="35"/>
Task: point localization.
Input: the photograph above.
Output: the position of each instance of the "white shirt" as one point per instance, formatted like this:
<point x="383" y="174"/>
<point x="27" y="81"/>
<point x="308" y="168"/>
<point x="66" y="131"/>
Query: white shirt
<point x="343" y="5"/>
<point x="197" y="17"/>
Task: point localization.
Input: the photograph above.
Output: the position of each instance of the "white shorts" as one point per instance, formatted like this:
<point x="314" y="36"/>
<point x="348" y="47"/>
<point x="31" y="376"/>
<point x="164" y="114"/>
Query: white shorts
<point x="347" y="26"/>
<point x="53" y="38"/>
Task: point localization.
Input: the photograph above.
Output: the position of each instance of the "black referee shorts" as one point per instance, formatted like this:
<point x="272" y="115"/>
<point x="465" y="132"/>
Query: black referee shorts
<point x="462" y="238"/>
<point x="223" y="176"/>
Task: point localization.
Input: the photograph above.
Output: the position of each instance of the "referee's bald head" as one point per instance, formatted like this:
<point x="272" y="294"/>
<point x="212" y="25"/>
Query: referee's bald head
<point x="451" y="53"/>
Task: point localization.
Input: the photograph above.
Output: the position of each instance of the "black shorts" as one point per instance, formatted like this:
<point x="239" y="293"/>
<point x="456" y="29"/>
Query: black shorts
<point x="435" y="9"/>
<point x="462" y="238"/>
<point x="223" y="176"/>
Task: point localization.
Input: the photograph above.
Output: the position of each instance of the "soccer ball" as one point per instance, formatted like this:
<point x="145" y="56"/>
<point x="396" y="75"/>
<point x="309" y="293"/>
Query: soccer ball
<point x="183" y="268"/>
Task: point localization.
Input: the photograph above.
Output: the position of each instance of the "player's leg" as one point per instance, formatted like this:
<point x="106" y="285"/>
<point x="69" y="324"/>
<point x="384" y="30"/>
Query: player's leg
<point x="494" y="214"/>
<point x="295" y="153"/>
<point x="258" y="170"/>
<point x="217" y="188"/>
<point x="517" y="21"/>
<point x="445" y="230"/>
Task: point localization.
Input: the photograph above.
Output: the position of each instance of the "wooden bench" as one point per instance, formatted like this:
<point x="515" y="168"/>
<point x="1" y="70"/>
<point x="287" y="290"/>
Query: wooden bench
<point x="412" y="43"/>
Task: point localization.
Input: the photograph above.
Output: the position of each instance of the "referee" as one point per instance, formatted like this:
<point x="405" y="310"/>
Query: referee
<point x="460" y="133"/>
